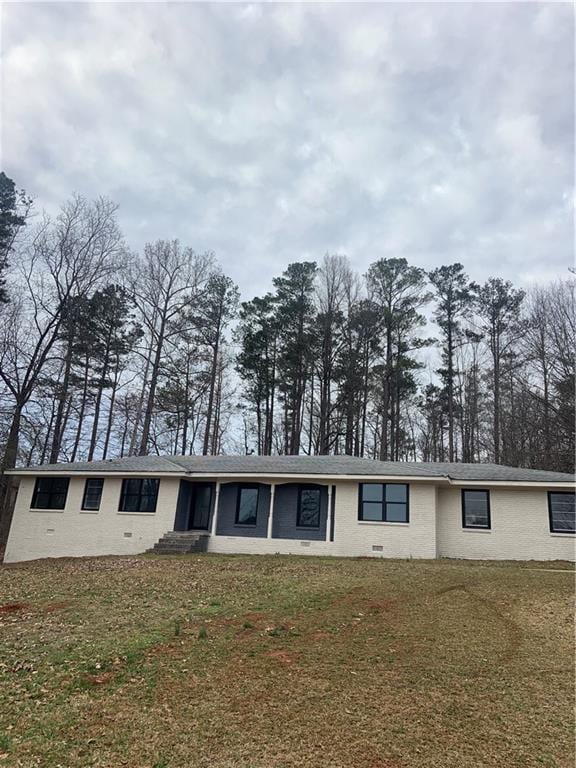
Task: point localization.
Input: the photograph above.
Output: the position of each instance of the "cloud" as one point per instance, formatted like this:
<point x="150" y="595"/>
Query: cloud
<point x="271" y="133"/>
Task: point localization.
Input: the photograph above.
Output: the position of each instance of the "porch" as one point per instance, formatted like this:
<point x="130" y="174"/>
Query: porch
<point x="278" y="510"/>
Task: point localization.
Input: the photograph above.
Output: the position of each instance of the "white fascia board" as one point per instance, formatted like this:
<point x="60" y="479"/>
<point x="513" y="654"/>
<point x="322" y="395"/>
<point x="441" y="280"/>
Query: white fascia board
<point x="229" y="476"/>
<point x="85" y="473"/>
<point x="542" y="484"/>
<point x="287" y="478"/>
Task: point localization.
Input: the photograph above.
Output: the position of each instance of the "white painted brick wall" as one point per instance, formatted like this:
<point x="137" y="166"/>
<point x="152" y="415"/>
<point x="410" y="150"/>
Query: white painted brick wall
<point x="520" y="528"/>
<point x="77" y="533"/>
<point x="414" y="539"/>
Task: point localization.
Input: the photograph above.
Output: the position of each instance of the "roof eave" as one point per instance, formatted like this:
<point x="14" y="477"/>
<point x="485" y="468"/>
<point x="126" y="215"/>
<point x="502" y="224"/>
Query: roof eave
<point x="187" y="474"/>
<point x="513" y="483"/>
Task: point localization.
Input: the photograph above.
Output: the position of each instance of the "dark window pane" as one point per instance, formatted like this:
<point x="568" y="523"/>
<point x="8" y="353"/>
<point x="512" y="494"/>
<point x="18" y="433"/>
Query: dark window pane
<point x="92" y="493"/>
<point x="397" y="493"/>
<point x="131" y="503"/>
<point x="59" y="484"/>
<point x="247" y="506"/>
<point x="203" y="498"/>
<point x="42" y="500"/>
<point x="149" y="486"/>
<point x="562" y="512"/>
<point x="147" y="503"/>
<point x="132" y="485"/>
<point x="58" y="501"/>
<point x="50" y="493"/>
<point x="372" y="511"/>
<point x="309" y="511"/>
<point x="139" y="495"/>
<point x="396" y="513"/>
<point x="476" y="511"/>
<point x="372" y="492"/>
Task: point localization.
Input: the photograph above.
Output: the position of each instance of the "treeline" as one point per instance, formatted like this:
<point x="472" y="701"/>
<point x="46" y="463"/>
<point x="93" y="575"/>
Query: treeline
<point x="105" y="352"/>
<point x="332" y="362"/>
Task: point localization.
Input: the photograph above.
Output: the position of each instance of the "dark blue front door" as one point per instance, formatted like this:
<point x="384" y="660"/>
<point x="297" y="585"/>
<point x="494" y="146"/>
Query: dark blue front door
<point x="201" y="502"/>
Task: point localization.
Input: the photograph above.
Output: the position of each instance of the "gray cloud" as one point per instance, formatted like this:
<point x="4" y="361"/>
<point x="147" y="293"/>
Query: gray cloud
<point x="271" y="133"/>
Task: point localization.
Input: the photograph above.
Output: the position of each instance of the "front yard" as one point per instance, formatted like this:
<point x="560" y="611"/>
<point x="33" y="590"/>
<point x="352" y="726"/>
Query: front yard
<point x="273" y="662"/>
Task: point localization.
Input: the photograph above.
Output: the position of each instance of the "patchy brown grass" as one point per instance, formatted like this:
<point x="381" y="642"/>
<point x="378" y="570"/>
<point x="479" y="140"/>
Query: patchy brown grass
<point x="278" y="662"/>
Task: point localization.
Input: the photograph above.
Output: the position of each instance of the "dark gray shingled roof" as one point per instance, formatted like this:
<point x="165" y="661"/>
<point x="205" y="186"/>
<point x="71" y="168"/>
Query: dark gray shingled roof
<point x="307" y="465"/>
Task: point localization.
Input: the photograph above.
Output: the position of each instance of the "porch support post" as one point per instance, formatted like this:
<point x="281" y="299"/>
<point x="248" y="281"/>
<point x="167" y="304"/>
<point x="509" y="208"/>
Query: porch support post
<point x="329" y="514"/>
<point x="271" y="510"/>
<point x="215" y="513"/>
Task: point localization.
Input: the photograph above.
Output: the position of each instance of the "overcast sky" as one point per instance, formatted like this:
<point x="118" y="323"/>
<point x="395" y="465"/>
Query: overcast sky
<point x="276" y="133"/>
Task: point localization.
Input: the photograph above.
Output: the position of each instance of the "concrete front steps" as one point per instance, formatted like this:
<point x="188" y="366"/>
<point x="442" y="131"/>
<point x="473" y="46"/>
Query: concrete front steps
<point x="181" y="543"/>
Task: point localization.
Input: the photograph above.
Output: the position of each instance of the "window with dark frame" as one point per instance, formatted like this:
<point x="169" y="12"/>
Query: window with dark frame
<point x="476" y="509"/>
<point x="247" y="505"/>
<point x="383" y="503"/>
<point x="92" y="493"/>
<point x="139" y="494"/>
<point x="562" y="512"/>
<point x="50" y="493"/>
<point x="308" y="515"/>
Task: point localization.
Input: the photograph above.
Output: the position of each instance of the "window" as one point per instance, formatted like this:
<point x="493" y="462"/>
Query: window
<point x="247" y="505"/>
<point x="308" y="508"/>
<point x="50" y="493"/>
<point x="562" y="512"/>
<point x="139" y="495"/>
<point x="383" y="502"/>
<point x="92" y="493"/>
<point x="475" y="509"/>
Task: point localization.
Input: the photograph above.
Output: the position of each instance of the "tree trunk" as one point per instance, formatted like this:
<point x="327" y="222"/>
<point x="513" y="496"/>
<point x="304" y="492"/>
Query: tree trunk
<point x="8" y="486"/>
<point x="450" y="373"/>
<point x="97" y="406"/>
<point x="110" y="419"/>
<point x="152" y="390"/>
<point x="62" y="398"/>
<point x="213" y="374"/>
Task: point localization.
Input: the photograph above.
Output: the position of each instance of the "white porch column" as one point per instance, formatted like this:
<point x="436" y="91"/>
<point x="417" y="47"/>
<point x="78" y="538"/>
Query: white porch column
<point x="215" y="514"/>
<point x="329" y="514"/>
<point x="271" y="510"/>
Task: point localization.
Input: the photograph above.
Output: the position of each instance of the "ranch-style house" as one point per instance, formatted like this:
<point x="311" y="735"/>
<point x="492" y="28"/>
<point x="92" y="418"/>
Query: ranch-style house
<point x="321" y="505"/>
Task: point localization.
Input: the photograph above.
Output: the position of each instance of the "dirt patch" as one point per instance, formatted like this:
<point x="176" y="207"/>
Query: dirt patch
<point x="102" y="679"/>
<point x="14" y="607"/>
<point x="375" y="606"/>
<point x="51" y="607"/>
<point x="285" y="657"/>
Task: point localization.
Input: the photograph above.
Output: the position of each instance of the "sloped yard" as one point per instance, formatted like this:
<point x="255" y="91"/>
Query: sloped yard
<point x="255" y="662"/>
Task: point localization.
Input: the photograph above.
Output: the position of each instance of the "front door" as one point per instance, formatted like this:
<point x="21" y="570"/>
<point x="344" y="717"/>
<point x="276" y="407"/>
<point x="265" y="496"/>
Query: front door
<point x="200" y="506"/>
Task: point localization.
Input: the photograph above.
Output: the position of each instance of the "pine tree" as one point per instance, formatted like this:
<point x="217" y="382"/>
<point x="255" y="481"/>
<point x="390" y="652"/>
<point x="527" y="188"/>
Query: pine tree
<point x="294" y="297"/>
<point x="498" y="305"/>
<point x="399" y="292"/>
<point x="14" y="208"/>
<point x="256" y="363"/>
<point x="454" y="295"/>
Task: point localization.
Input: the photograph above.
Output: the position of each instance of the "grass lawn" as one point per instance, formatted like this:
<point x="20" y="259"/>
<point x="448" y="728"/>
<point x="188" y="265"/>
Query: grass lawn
<point x="266" y="662"/>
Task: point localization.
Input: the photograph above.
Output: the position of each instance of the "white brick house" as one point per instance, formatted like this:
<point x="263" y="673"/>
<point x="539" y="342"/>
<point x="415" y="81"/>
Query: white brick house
<point x="329" y="505"/>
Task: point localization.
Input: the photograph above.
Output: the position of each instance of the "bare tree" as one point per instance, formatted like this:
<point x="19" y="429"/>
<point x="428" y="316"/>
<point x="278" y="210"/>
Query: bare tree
<point x="331" y="289"/>
<point x="165" y="283"/>
<point x="64" y="259"/>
